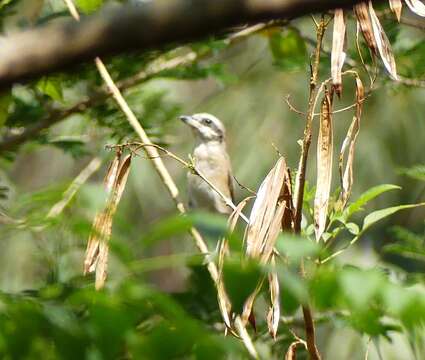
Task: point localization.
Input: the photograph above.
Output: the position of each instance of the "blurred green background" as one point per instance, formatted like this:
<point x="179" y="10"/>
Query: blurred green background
<point x="246" y="91"/>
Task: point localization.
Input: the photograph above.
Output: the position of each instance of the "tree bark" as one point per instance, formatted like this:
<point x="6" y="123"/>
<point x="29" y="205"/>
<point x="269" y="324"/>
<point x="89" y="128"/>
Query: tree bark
<point x="140" y="27"/>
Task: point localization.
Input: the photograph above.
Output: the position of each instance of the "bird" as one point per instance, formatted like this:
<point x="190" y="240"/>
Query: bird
<point x="212" y="161"/>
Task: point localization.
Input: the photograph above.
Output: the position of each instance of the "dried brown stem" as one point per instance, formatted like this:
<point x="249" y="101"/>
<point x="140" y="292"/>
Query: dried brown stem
<point x="301" y="176"/>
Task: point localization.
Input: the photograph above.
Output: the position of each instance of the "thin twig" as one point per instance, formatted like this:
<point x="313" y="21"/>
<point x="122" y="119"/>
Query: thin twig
<point x="291" y="107"/>
<point x="189" y="166"/>
<point x="76" y="184"/>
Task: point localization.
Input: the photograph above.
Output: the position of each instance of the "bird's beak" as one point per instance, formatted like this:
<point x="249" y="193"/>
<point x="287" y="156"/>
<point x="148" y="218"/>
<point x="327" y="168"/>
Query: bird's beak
<point x="189" y="120"/>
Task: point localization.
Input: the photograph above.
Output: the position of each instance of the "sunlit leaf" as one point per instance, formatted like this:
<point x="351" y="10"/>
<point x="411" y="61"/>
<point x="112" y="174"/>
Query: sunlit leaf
<point x="378" y="215"/>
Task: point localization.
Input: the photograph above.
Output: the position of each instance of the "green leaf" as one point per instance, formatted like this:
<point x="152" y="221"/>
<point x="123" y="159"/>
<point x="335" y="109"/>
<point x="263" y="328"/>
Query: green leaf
<point x="240" y="279"/>
<point x="51" y="86"/>
<point x="296" y="247"/>
<point x="364" y="199"/>
<point x="89" y="6"/>
<point x="288" y="50"/>
<point x="415" y="172"/>
<point x="5" y="100"/>
<point x="378" y="215"/>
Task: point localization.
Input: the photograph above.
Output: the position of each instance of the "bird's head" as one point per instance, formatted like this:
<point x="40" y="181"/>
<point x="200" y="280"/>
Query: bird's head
<point x="206" y="126"/>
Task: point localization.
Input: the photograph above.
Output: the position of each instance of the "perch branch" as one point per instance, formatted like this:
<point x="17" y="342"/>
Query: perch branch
<point x="156" y="68"/>
<point x="147" y="25"/>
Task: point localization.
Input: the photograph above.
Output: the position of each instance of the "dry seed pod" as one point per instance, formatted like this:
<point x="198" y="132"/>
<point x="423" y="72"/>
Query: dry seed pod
<point x="418" y="7"/>
<point x="383" y="44"/>
<point x="96" y="258"/>
<point x="365" y="24"/>
<point x="267" y="215"/>
<point x="222" y="297"/>
<point x="396" y="7"/>
<point x="324" y="166"/>
<point x="264" y="208"/>
<point x="273" y="317"/>
<point x="338" y="54"/>
<point x="346" y="174"/>
<point x="292" y="350"/>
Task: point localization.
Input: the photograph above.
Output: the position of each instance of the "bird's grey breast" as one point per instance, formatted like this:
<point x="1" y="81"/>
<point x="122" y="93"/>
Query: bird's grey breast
<point x="212" y="161"/>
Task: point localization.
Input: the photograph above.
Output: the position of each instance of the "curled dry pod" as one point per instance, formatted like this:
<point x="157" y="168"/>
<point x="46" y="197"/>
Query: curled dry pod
<point x="265" y="223"/>
<point x="324" y="166"/>
<point x="222" y="297"/>
<point x="97" y="249"/>
<point x="273" y="317"/>
<point x="383" y="44"/>
<point x="365" y="24"/>
<point x="338" y="54"/>
<point x="396" y="7"/>
<point x="346" y="174"/>
<point x="417" y="6"/>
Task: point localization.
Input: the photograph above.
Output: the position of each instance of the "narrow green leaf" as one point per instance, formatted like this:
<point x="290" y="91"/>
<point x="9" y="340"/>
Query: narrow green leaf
<point x="416" y="172"/>
<point x="383" y="213"/>
<point x="365" y="198"/>
<point x="89" y="6"/>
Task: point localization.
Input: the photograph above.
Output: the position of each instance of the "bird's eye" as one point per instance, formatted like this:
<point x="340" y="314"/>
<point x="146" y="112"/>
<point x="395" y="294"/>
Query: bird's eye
<point x="207" y="121"/>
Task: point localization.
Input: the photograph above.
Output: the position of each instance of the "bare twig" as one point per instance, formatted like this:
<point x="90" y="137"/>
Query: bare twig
<point x="70" y="192"/>
<point x="291" y="107"/>
<point x="189" y="166"/>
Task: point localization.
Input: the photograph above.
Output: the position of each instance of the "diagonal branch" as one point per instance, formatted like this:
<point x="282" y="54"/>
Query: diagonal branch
<point x="144" y="26"/>
<point x="156" y="68"/>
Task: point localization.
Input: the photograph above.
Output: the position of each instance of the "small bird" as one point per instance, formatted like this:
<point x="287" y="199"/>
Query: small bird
<point x="212" y="161"/>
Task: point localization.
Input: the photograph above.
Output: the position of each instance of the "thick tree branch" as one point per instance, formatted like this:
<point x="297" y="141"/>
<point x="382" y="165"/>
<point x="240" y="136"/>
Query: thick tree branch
<point x="137" y="27"/>
<point x="154" y="69"/>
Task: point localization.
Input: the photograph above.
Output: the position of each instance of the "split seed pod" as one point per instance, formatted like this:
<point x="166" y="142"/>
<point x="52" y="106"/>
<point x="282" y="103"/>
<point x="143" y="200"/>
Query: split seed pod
<point x="346" y="174"/>
<point x="96" y="259"/>
<point x="338" y="54"/>
<point x="396" y="7"/>
<point x="324" y="166"/>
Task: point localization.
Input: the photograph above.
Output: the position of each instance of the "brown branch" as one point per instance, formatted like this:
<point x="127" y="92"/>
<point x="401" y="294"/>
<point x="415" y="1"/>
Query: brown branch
<point x="156" y="68"/>
<point x="301" y="177"/>
<point x="144" y="26"/>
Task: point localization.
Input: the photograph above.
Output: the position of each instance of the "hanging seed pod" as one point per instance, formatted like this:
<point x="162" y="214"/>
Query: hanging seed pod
<point x="324" y="166"/>
<point x="96" y="259"/>
<point x="338" y="54"/>
<point x="365" y="24"/>
<point x="418" y="7"/>
<point x="346" y="174"/>
<point x="383" y="44"/>
<point x="396" y="7"/>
